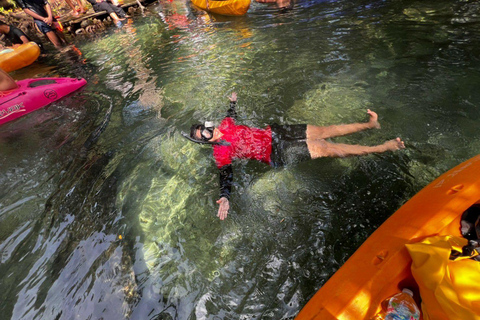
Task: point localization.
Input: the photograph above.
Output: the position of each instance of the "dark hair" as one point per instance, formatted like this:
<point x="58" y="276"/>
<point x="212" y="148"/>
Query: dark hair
<point x="193" y="130"/>
<point x="2" y="23"/>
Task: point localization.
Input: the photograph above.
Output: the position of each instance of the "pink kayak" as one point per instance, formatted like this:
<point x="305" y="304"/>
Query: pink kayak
<point x="33" y="94"/>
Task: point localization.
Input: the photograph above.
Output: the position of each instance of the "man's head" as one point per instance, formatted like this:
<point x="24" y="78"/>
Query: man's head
<point x="201" y="133"/>
<point x="205" y="134"/>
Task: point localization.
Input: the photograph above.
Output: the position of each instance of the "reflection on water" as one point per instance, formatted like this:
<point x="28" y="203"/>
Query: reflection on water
<point x="107" y="212"/>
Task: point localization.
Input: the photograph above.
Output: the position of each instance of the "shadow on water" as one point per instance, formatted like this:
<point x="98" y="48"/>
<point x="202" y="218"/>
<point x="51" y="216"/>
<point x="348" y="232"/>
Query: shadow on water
<point x="48" y="243"/>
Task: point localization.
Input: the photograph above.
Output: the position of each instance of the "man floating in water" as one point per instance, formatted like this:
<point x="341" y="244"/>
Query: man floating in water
<point x="277" y="145"/>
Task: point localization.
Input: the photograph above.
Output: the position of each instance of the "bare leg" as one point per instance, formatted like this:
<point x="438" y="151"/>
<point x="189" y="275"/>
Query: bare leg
<point x="71" y="5"/>
<point x="61" y="37"/>
<point x="316" y="132"/>
<point x="6" y="82"/>
<point x="322" y="148"/>
<point x="52" y="36"/>
<point x="80" y="4"/>
<point x="115" y="17"/>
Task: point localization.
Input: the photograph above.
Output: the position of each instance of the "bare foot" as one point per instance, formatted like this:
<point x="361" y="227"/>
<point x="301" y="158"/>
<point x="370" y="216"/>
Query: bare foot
<point x="373" y="119"/>
<point x="394" y="144"/>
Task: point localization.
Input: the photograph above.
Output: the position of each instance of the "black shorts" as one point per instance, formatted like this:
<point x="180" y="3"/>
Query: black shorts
<point x="15" y="35"/>
<point x="289" y="144"/>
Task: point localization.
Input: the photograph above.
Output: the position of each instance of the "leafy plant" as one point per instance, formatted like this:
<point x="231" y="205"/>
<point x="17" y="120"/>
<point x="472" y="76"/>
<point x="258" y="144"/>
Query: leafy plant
<point x="7" y="6"/>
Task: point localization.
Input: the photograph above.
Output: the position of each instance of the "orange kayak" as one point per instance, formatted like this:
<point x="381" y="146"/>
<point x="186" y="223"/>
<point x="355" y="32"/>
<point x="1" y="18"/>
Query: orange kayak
<point x="381" y="266"/>
<point x="224" y="7"/>
<point x="22" y="56"/>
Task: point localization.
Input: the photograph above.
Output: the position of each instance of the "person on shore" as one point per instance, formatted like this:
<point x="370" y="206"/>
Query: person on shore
<point x="76" y="12"/>
<point x="13" y="34"/>
<point x="115" y="12"/>
<point x="277" y="145"/>
<point x="41" y="12"/>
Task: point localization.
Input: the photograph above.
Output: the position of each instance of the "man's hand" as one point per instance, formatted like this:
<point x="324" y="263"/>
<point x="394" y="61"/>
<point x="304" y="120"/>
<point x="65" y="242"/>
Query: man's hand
<point x="233" y="97"/>
<point x="223" y="209"/>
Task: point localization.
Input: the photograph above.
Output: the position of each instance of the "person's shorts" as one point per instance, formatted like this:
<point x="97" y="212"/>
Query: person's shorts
<point x="289" y="144"/>
<point x="15" y="35"/>
<point x="43" y="27"/>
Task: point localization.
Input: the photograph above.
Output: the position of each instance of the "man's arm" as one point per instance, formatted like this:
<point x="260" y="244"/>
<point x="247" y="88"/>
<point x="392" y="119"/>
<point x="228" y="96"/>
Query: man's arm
<point x="50" y="15"/>
<point x="226" y="179"/>
<point x="226" y="172"/>
<point x="33" y="14"/>
<point x="232" y="113"/>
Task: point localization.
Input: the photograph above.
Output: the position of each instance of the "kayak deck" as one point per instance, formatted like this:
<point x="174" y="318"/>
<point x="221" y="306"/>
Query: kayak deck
<point x="381" y="266"/>
<point x="33" y="94"/>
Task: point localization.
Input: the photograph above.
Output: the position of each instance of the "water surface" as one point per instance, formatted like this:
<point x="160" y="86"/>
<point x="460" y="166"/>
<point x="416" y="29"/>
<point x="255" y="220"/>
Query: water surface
<point x="106" y="212"/>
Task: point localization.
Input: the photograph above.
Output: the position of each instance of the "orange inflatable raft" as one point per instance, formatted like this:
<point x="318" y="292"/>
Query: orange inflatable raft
<point x="381" y="266"/>
<point x="22" y="56"/>
<point x="224" y="7"/>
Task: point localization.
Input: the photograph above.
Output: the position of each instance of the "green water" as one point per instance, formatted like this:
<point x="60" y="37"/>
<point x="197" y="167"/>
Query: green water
<point x="109" y="161"/>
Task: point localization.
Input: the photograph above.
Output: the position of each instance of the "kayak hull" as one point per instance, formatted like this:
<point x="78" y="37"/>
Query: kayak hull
<point x="22" y="56"/>
<point x="381" y="266"/>
<point x="33" y="94"/>
<point x="224" y="7"/>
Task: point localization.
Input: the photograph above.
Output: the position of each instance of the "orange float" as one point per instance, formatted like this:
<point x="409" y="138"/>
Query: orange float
<point x="22" y="56"/>
<point x="224" y="7"/>
<point x="381" y="266"/>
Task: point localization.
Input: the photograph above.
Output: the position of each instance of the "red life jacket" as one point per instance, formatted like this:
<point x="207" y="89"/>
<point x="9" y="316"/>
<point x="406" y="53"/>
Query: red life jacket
<point x="245" y="143"/>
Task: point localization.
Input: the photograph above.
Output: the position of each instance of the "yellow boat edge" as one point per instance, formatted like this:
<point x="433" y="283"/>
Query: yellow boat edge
<point x="381" y="266"/>
<point x="22" y="56"/>
<point x="224" y="7"/>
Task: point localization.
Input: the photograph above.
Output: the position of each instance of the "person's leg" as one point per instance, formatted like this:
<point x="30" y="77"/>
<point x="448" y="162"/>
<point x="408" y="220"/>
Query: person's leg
<point x="6" y="82"/>
<point x="81" y="6"/>
<point x="114" y="16"/>
<point x="49" y="32"/>
<point x="61" y="37"/>
<point x="118" y="10"/>
<point x="52" y="36"/>
<point x="316" y="132"/>
<point x="322" y="148"/>
<point x="72" y="6"/>
<point x="106" y="6"/>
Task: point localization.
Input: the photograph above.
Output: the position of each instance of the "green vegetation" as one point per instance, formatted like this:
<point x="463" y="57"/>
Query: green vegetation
<point x="7" y="6"/>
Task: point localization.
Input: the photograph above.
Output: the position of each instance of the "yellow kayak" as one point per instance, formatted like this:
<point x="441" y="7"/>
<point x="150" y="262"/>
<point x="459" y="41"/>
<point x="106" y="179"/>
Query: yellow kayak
<point x="224" y="7"/>
<point x="20" y="57"/>
<point x="381" y="266"/>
